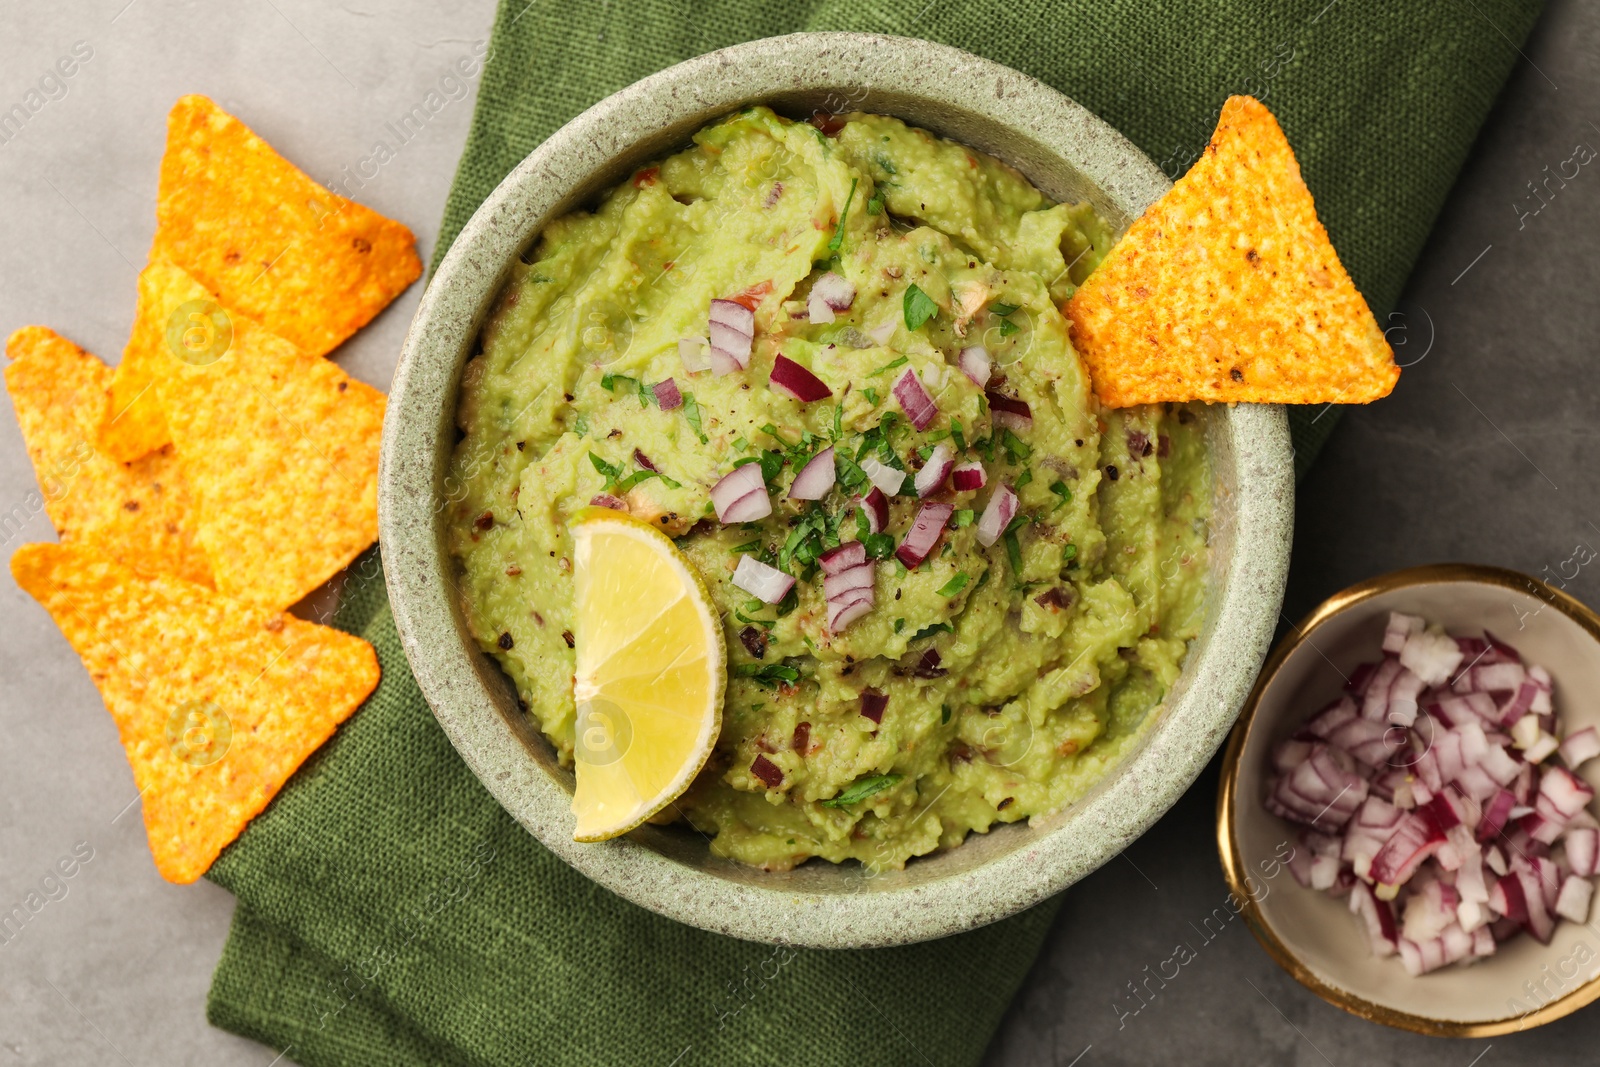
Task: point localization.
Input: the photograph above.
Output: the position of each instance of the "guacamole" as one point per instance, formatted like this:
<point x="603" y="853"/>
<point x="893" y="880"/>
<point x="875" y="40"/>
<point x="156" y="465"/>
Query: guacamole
<point x="987" y="683"/>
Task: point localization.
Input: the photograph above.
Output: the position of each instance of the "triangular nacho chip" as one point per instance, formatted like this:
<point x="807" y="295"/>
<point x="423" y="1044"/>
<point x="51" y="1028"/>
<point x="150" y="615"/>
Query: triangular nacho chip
<point x="264" y="240"/>
<point x="1228" y="289"/>
<point x="306" y="263"/>
<point x="140" y="514"/>
<point x="217" y="702"/>
<point x="281" y="450"/>
<point x="174" y="318"/>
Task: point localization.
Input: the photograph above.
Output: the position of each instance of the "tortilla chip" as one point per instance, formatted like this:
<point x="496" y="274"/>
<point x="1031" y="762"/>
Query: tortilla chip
<point x="306" y="263"/>
<point x="281" y="450"/>
<point x="1228" y="289"/>
<point x="173" y="318"/>
<point x="261" y="238"/>
<point x="217" y="702"/>
<point x="139" y="514"/>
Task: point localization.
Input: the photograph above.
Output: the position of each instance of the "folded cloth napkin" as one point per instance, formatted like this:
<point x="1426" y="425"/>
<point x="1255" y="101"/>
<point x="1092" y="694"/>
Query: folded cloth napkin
<point x="391" y="913"/>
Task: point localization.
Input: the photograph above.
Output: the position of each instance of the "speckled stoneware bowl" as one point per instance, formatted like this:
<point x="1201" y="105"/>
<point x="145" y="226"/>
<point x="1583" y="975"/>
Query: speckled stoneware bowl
<point x="1069" y="154"/>
<point x="1314" y="936"/>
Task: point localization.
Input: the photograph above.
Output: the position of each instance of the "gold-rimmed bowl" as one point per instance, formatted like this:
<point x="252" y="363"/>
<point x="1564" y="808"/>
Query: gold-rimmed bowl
<point x="1314" y="936"/>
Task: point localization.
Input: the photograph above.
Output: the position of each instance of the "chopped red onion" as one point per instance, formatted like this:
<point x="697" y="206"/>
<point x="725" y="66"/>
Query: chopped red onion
<point x="873" y="704"/>
<point x="876" y="508"/>
<point x="888" y="479"/>
<point x="965" y="477"/>
<point x="606" y="500"/>
<point x="1011" y="414"/>
<point x="695" y="354"/>
<point x="769" y="773"/>
<point x="764" y="582"/>
<point x="915" y="400"/>
<point x="935" y="470"/>
<point x="997" y="515"/>
<point x="829" y="293"/>
<point x="837" y="560"/>
<point x="1460" y="823"/>
<point x="1580" y="747"/>
<point x="975" y="364"/>
<point x="882" y="332"/>
<point x="741" y="495"/>
<point x="846" y="584"/>
<point x="795" y="382"/>
<point x="924" y="533"/>
<point x="668" y="398"/>
<point x="644" y="461"/>
<point x="733" y="329"/>
<point x="815" y="478"/>
<point x="842" y="615"/>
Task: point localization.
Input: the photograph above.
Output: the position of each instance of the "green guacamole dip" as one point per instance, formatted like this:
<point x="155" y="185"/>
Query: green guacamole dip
<point x="1055" y="646"/>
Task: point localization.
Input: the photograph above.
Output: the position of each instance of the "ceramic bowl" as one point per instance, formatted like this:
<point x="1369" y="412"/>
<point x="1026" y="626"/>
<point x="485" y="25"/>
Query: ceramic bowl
<point x="1069" y="154"/>
<point x="1313" y="935"/>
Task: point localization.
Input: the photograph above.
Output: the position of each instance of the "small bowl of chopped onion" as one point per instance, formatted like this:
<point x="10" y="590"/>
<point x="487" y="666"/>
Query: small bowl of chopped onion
<point x="1407" y="814"/>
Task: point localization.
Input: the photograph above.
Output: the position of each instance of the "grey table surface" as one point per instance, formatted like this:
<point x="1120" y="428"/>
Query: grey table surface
<point x="1483" y="453"/>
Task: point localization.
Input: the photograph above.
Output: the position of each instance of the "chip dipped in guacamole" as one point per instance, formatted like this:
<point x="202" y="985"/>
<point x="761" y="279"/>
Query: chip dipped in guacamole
<point x="829" y="360"/>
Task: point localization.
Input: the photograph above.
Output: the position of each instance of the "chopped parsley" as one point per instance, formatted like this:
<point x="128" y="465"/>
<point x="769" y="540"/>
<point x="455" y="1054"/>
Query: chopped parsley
<point x="861" y="789"/>
<point x="691" y="411"/>
<point x="767" y="675"/>
<point x="1069" y="552"/>
<point x="891" y="365"/>
<point x="931" y="629"/>
<point x="1013" y="547"/>
<point x="1023" y="479"/>
<point x="1007" y="327"/>
<point x="875" y="204"/>
<point x="1059" y="488"/>
<point x="944" y="713"/>
<point x="1017" y="449"/>
<point x="957" y="435"/>
<point x="899" y="624"/>
<point x="1002" y="310"/>
<point x="962" y="517"/>
<point x="919" y="307"/>
<point x="957" y="582"/>
<point x="872" y="396"/>
<point x="749" y="546"/>
<point x="838" y="232"/>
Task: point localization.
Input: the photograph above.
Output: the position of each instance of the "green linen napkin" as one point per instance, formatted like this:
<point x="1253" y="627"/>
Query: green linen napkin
<point x="391" y="913"/>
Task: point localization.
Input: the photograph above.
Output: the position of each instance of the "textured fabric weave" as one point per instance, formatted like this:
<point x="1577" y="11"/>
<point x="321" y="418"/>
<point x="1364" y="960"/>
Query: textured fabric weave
<point x="391" y="913"/>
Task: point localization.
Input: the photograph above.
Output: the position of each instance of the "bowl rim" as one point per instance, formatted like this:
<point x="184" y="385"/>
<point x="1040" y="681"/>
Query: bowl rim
<point x="1145" y="784"/>
<point x="1233" y="864"/>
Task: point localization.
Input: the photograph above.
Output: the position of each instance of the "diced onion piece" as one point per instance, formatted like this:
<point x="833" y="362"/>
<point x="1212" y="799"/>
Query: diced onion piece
<point x="843" y="615"/>
<point x="845" y="584"/>
<point x="606" y="500"/>
<point x="966" y="477"/>
<point x="915" y="400"/>
<point x="668" y="398"/>
<point x="1400" y="628"/>
<point x="882" y="332"/>
<point x="761" y="581"/>
<point x="1573" y="901"/>
<point x="924" y="533"/>
<point x="975" y="364"/>
<point x="829" y="293"/>
<point x="997" y="515"/>
<point x="741" y="495"/>
<point x="837" y="560"/>
<point x="1012" y="414"/>
<point x="733" y="329"/>
<point x="795" y="382"/>
<point x="815" y="478"/>
<point x="1580" y="747"/>
<point x="724" y="363"/>
<point x="935" y="470"/>
<point x="695" y="354"/>
<point x="1431" y="655"/>
<point x="873" y="703"/>
<point x="887" y="478"/>
<point x="876" y="508"/>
